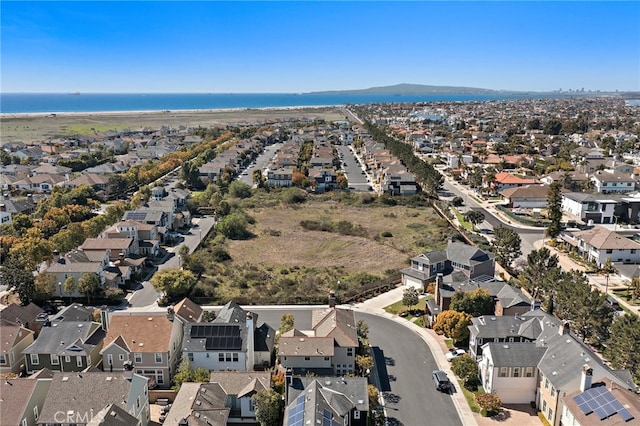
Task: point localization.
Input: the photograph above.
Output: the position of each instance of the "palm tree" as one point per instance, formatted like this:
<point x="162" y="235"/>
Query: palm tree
<point x="634" y="289"/>
<point x="608" y="269"/>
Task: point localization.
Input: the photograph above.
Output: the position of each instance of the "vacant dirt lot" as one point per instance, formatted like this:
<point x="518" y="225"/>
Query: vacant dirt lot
<point x="34" y="128"/>
<point x="282" y="241"/>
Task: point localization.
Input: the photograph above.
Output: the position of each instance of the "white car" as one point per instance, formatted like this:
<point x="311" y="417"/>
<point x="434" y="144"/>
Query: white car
<point x="454" y="353"/>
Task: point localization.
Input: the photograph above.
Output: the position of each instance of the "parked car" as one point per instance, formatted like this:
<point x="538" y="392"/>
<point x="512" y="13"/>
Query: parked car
<point x="441" y="380"/>
<point x="454" y="353"/>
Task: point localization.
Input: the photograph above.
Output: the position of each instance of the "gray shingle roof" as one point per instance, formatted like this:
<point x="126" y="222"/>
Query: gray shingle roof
<point x="525" y="354"/>
<point x="67" y="338"/>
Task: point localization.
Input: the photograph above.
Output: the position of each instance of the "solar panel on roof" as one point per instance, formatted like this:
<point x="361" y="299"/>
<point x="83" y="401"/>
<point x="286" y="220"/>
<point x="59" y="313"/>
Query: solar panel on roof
<point x="601" y="413"/>
<point x="625" y="414"/>
<point x="296" y="413"/>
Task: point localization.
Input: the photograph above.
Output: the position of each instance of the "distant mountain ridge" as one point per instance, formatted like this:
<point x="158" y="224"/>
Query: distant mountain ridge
<point x="413" y="89"/>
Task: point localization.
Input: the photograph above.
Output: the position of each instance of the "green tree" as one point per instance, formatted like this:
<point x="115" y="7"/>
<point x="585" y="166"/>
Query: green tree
<point x="457" y="201"/>
<point x="608" y="269"/>
<point x="534" y="276"/>
<point x="286" y="323"/>
<point x="475" y="217"/>
<point x="69" y="286"/>
<point x="175" y="283"/>
<point x="552" y="127"/>
<point x="475" y="303"/>
<point x="258" y="178"/>
<point x="44" y="286"/>
<point x="183" y="374"/>
<point x="89" y="284"/>
<point x="410" y="297"/>
<point x="489" y="402"/>
<point x="364" y="363"/>
<point x="466" y="368"/>
<point x="554" y="209"/>
<point x="14" y="275"/>
<point x="634" y="289"/>
<point x="117" y="186"/>
<point x="454" y="325"/>
<point x="268" y="407"/>
<point x="506" y="246"/>
<point x="623" y="346"/>
<point x="234" y="226"/>
<point x="239" y="189"/>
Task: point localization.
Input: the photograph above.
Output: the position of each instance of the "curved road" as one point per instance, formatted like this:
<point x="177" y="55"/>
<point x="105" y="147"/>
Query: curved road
<point x="405" y="376"/>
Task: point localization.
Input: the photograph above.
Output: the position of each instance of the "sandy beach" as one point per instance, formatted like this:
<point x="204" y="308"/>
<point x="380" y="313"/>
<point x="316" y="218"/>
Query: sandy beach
<point x="41" y="127"/>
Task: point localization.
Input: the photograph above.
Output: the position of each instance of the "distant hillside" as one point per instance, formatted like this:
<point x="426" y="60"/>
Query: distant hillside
<point x="412" y="89"/>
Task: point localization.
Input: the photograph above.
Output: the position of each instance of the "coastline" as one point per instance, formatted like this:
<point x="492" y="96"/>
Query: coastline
<point x="54" y="114"/>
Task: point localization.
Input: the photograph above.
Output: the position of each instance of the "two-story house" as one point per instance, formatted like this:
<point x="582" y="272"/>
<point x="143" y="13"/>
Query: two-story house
<point x="147" y="343"/>
<point x="15" y="339"/>
<point x="232" y="341"/>
<point x="65" y="346"/>
<point x="22" y="400"/>
<point x="599" y="244"/>
<point x="594" y="208"/>
<point x="81" y="398"/>
<point x="607" y="183"/>
<point x="328" y="348"/>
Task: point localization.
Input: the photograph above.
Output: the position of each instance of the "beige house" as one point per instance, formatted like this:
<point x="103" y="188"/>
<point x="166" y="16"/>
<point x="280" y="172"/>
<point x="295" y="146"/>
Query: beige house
<point x="147" y="343"/>
<point x="15" y="339"/>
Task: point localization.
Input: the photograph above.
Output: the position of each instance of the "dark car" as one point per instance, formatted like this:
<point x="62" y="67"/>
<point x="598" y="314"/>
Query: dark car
<point x="441" y="381"/>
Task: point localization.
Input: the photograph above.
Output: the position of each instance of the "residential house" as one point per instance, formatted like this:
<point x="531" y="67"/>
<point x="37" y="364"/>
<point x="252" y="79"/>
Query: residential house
<point x="39" y="183"/>
<point x="326" y="401"/>
<point x="79" y="399"/>
<point x="27" y="316"/>
<point x="511" y="301"/>
<point x="529" y="196"/>
<point x="148" y="343"/>
<point x="599" y="244"/>
<point x="75" y="312"/>
<point x="116" y="248"/>
<point x="65" y="346"/>
<point x="199" y="404"/>
<point x="590" y="208"/>
<point x="599" y="404"/>
<point x="560" y="371"/>
<point x="75" y="264"/>
<point x="510" y="371"/>
<point x="280" y="178"/>
<point x="239" y="387"/>
<point x="607" y="183"/>
<point x="9" y="207"/>
<point x="96" y="181"/>
<point x="232" y="341"/>
<point x="146" y="235"/>
<point x="507" y="329"/>
<point x="22" y="400"/>
<point x="470" y="261"/>
<point x="328" y="348"/>
<point x="188" y="311"/>
<point x="504" y="180"/>
<point x="15" y="339"/>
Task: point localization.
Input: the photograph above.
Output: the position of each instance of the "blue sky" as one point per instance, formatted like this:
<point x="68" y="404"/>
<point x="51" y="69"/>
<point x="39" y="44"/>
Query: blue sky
<point x="255" y="47"/>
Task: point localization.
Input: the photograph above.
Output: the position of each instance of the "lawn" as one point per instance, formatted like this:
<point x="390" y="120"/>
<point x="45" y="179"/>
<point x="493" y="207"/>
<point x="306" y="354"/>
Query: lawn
<point x="395" y="308"/>
<point x="466" y="225"/>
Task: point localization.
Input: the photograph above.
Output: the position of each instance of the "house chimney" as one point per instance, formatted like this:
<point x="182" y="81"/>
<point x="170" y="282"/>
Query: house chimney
<point x="586" y="378"/>
<point x="565" y="328"/>
<point x="251" y="354"/>
<point x="170" y="313"/>
<point x="535" y="304"/>
<point x="332" y="299"/>
<point x="436" y="290"/>
<point x="288" y="381"/>
<point x="104" y="317"/>
<point x="56" y="256"/>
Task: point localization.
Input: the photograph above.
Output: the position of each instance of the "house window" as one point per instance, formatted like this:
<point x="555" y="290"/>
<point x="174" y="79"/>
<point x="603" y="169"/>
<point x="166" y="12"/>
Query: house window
<point x="356" y="414"/>
<point x="633" y="251"/>
<point x="544" y="405"/>
<point x="349" y="351"/>
<point x="137" y="358"/>
<point x="528" y="372"/>
<point x="67" y="359"/>
<point x="158" y="357"/>
<point x="546" y="384"/>
<point x="79" y="361"/>
<point x="221" y="357"/>
<point x="35" y="359"/>
<point x="504" y="372"/>
<point x="121" y="357"/>
<point x="109" y="359"/>
<point x="550" y="416"/>
<point x="190" y="356"/>
<point x="326" y="358"/>
<point x="553" y="391"/>
<point x="228" y="357"/>
<point x="307" y="358"/>
<point x="35" y="412"/>
<point x="609" y="251"/>
<point x="235" y="357"/>
<point x="3" y="359"/>
<point x="24" y="422"/>
<point x="516" y="371"/>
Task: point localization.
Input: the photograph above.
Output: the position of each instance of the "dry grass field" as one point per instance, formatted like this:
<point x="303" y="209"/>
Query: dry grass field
<point x="36" y="128"/>
<point x="286" y="263"/>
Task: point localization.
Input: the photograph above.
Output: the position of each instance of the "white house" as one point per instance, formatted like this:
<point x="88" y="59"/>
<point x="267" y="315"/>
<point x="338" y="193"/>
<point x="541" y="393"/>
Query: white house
<point x="590" y="207"/>
<point x="509" y="370"/>
<point x="598" y="244"/>
<point x="606" y="182"/>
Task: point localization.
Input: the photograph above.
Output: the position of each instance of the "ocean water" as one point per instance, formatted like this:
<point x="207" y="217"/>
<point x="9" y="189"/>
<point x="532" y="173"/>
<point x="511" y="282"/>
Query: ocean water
<point x="14" y="103"/>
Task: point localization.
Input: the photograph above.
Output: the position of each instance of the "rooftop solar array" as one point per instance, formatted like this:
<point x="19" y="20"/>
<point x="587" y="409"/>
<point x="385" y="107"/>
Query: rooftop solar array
<point x="218" y="336"/>
<point x="327" y="419"/>
<point x="296" y="414"/>
<point x="138" y="216"/>
<point x="603" y="403"/>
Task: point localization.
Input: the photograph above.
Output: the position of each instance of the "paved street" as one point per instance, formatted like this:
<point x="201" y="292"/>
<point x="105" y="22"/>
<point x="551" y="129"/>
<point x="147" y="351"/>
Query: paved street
<point x="261" y="162"/>
<point x="354" y="170"/>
